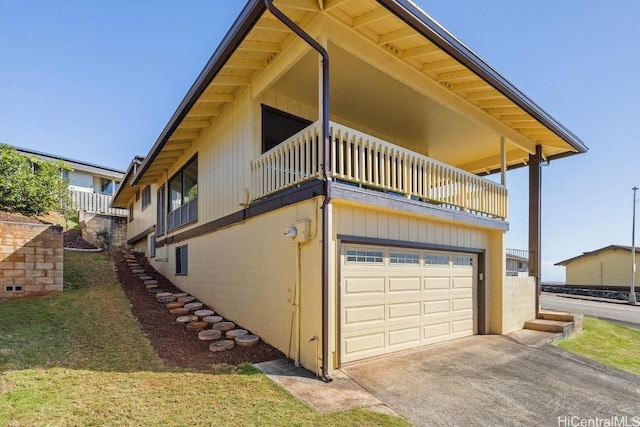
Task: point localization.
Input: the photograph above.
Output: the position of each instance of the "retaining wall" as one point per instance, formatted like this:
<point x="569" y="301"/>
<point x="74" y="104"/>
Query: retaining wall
<point x="31" y="258"/>
<point x="91" y="223"/>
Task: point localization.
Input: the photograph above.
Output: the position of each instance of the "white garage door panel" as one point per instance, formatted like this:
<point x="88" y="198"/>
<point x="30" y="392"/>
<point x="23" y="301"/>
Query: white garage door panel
<point x="398" y="299"/>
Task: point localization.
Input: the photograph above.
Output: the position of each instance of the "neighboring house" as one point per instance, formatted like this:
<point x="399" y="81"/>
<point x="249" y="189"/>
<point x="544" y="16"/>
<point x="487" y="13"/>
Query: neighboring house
<point x="92" y="186"/>
<point x="608" y="266"/>
<point x="370" y="233"/>
<point x="517" y="262"/>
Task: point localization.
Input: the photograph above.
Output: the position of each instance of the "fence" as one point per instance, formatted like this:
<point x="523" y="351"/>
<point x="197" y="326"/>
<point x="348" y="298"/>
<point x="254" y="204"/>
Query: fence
<point x="94" y="202"/>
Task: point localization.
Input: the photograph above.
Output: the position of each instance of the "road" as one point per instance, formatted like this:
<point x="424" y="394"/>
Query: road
<point x="604" y="310"/>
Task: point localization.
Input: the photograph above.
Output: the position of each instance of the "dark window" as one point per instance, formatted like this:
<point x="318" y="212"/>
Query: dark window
<point x="182" y="260"/>
<point x="183" y="196"/>
<point x="277" y="126"/>
<point x="161" y="211"/>
<point x="106" y="186"/>
<point x="131" y="212"/>
<point x="152" y="247"/>
<point x="146" y="196"/>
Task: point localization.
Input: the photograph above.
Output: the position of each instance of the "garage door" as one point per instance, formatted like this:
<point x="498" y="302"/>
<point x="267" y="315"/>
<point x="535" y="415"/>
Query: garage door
<point x="395" y="299"/>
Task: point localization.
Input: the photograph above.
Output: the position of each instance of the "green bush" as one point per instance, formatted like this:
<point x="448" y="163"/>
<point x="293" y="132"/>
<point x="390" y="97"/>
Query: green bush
<point x="31" y="186"/>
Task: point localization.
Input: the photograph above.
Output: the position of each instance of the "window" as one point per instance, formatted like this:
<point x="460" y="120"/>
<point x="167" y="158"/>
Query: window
<point x="161" y="210"/>
<point x="106" y="186"/>
<point x="146" y="196"/>
<point x="462" y="261"/>
<point x="152" y="246"/>
<point x="364" y="256"/>
<point x="277" y="126"/>
<point x="131" y="212"/>
<point x="404" y="258"/>
<point x="183" y="196"/>
<point x="182" y="260"/>
<point x="432" y="259"/>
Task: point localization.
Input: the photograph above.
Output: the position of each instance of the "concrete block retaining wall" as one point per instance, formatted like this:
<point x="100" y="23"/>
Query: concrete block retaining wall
<point x="31" y="259"/>
<point x="92" y="223"/>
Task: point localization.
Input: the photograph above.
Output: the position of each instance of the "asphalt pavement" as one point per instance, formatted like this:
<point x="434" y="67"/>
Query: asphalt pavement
<point x="613" y="310"/>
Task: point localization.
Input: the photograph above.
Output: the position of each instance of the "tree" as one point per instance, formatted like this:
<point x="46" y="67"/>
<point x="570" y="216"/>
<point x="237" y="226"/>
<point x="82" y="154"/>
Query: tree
<point x="31" y="186"/>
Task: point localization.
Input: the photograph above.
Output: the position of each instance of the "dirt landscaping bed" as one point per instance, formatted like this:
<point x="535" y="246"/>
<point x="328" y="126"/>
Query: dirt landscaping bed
<point x="176" y="346"/>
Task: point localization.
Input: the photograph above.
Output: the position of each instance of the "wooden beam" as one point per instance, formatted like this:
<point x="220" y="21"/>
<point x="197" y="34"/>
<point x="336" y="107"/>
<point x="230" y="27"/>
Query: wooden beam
<point x="204" y="112"/>
<point x="484" y="94"/>
<point x="182" y="135"/>
<point x="231" y="80"/>
<point x="443" y="64"/>
<point x="241" y="63"/>
<point x="369" y="17"/>
<point x="420" y="50"/>
<point x="332" y="4"/>
<point x="455" y="75"/>
<point x="535" y="215"/>
<point x="217" y="97"/>
<point x="310" y="5"/>
<point x="490" y="103"/>
<point x="520" y="117"/>
<point x="396" y="35"/>
<point x="194" y="124"/>
<point x="271" y="24"/>
<point x="175" y="146"/>
<point x="258" y="46"/>
<point x="476" y="84"/>
<point x="499" y="111"/>
<point x="494" y="161"/>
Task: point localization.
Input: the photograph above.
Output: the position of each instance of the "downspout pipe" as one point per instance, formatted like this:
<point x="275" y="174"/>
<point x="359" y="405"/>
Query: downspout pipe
<point x="325" y="177"/>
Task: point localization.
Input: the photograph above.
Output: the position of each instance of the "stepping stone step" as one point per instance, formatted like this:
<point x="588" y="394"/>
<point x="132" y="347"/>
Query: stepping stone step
<point x="181" y="295"/>
<point x="151" y="286"/>
<point x="224" y="326"/>
<point x="175" y="304"/>
<point x="150" y="282"/>
<point x="179" y="311"/>
<point x="187" y="318"/>
<point x="203" y="313"/>
<point x="247" y="340"/>
<point x="223" y="345"/>
<point x="137" y="271"/>
<point x="197" y="326"/>
<point x="212" y="319"/>
<point x="144" y="277"/>
<point x="194" y="306"/>
<point x="155" y="290"/>
<point x="164" y="294"/>
<point x="164" y="300"/>
<point x="209" y="334"/>
<point x="235" y="333"/>
<point x="187" y="299"/>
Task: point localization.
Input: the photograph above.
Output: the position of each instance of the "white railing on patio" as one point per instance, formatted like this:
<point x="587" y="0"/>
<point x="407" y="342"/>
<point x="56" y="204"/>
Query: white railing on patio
<point x="375" y="164"/>
<point x="94" y="202"/>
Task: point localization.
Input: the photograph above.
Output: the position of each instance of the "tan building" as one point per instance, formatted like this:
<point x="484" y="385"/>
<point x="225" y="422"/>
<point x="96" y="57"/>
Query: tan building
<point x="344" y="218"/>
<point x="608" y="266"/>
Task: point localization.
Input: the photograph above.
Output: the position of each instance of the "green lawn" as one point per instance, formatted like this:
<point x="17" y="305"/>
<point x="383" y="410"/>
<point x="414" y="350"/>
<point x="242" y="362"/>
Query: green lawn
<point x="79" y="359"/>
<point x="607" y="342"/>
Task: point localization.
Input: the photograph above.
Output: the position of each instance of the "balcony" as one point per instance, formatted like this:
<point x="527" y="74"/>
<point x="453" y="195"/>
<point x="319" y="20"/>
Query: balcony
<point x="95" y="202"/>
<point x="371" y="163"/>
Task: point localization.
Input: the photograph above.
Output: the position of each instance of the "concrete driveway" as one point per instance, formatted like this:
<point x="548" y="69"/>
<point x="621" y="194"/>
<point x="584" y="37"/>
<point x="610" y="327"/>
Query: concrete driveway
<point x="494" y="381"/>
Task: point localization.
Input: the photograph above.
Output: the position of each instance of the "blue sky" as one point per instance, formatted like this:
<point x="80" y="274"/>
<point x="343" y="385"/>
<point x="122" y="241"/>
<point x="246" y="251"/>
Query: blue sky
<point x="97" y="81"/>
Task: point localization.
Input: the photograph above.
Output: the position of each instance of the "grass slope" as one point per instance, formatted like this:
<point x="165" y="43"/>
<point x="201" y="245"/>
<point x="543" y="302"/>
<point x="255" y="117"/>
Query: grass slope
<point x="80" y="359"/>
<point x="609" y="343"/>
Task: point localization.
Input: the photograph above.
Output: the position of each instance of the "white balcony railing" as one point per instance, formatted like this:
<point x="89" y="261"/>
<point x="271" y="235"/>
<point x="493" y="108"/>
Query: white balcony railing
<point x="94" y="202"/>
<point x="375" y="164"/>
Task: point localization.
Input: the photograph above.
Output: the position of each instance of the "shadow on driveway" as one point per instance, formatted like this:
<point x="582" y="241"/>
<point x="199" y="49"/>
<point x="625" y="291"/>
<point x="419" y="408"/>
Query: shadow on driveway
<point x="494" y="381"/>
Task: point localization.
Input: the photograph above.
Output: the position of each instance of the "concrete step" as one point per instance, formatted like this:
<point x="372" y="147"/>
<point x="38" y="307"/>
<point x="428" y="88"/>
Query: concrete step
<point x="576" y="318"/>
<point x="545" y="325"/>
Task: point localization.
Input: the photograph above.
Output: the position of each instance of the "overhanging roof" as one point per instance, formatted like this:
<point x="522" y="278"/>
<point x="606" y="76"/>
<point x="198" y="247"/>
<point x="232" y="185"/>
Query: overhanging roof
<point x="596" y="252"/>
<point x="397" y="26"/>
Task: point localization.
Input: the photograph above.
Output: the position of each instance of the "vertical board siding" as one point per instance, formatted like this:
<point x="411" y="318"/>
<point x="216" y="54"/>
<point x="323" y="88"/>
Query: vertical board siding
<point x="610" y="267"/>
<point x="143" y="219"/>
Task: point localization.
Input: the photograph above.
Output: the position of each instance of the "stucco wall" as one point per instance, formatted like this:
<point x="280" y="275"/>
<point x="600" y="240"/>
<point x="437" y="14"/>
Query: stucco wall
<point x="31" y="258"/>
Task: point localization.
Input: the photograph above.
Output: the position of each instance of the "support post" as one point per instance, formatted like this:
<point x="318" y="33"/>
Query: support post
<point x="503" y="161"/>
<point x="535" y="211"/>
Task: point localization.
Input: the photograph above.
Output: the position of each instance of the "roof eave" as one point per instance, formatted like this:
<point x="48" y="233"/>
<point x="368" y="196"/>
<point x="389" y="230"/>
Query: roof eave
<point x="242" y="25"/>
<point x="424" y="24"/>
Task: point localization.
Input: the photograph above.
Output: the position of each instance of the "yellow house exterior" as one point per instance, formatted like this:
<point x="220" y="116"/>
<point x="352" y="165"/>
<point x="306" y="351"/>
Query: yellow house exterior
<point x="346" y="217"/>
<point x="608" y="266"/>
